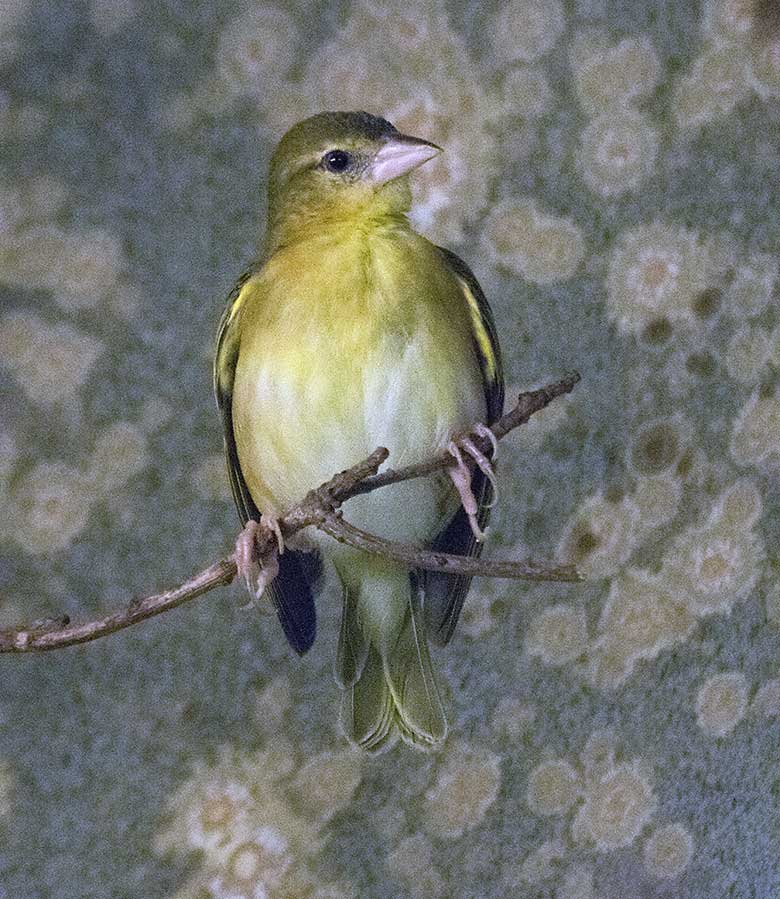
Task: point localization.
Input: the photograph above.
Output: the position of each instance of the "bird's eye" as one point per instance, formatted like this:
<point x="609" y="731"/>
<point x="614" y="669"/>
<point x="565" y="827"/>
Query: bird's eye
<point x="336" y="161"/>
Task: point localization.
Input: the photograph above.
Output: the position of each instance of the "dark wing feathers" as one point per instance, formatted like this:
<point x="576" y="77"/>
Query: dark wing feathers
<point x="292" y="591"/>
<point x="444" y="593"/>
<point x="485" y="335"/>
<point x="225" y="362"/>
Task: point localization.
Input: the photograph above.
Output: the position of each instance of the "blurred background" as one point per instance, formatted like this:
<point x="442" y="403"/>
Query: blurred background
<point x="611" y="175"/>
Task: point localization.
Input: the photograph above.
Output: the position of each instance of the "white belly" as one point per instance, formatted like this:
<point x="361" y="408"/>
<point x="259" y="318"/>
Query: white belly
<point x="301" y="432"/>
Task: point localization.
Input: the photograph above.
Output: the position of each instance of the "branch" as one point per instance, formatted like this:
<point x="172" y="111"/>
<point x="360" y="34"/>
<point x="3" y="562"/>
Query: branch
<point x="318" y="509"/>
<point x="341" y="530"/>
<point x="528" y="404"/>
<point x="58" y="632"/>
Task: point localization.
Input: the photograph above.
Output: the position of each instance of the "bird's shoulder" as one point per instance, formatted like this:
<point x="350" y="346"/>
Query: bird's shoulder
<point x="227" y="341"/>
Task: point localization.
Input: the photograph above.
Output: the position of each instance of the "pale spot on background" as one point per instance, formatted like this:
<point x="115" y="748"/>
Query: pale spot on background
<point x="465" y="787"/>
<point x="721" y="702"/>
<point x="557" y="635"/>
<point x="543" y="248"/>
<point x="49" y="362"/>
<point x="608" y="76"/>
<point x="616" y="809"/>
<point x="553" y="788"/>
<point x="411" y="865"/>
<point x="668" y="851"/>
<point x="527" y="29"/>
<point x="618" y="152"/>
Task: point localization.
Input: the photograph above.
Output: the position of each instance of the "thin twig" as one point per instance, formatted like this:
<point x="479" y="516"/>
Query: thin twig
<point x="344" y="532"/>
<point x="53" y="635"/>
<point x="527" y="405"/>
<point x="317" y="509"/>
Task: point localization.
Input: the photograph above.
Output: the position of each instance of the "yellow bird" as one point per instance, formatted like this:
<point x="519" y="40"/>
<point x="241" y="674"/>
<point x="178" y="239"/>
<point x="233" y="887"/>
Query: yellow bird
<point x="352" y="332"/>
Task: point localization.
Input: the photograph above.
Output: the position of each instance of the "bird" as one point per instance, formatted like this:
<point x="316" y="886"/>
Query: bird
<point x="348" y="332"/>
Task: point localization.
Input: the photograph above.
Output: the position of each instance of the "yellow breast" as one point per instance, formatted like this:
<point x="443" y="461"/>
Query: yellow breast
<point x="349" y="342"/>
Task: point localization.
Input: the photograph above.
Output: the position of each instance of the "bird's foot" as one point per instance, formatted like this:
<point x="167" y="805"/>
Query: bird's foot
<point x="256" y="569"/>
<point x="460" y="473"/>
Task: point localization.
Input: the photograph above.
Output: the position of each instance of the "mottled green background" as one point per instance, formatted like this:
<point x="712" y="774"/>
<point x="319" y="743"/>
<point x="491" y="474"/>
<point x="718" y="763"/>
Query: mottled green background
<point x="611" y="173"/>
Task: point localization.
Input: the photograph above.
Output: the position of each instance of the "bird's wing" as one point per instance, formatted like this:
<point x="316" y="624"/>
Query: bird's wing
<point x="444" y="593"/>
<point x="225" y="362"/>
<point x="292" y="591"/>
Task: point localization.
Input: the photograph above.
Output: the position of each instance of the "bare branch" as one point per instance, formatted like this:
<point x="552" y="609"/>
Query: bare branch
<point x="318" y="509"/>
<point x="55" y="634"/>
<point x="527" y="405"/>
<point x="344" y="532"/>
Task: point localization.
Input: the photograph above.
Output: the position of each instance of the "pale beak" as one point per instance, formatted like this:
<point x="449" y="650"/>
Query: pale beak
<point x="399" y="156"/>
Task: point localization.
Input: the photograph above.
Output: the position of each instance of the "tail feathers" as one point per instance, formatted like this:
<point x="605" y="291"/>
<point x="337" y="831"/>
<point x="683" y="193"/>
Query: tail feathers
<point x="352" y="650"/>
<point x="367" y="707"/>
<point x="418" y="710"/>
<point x="389" y="688"/>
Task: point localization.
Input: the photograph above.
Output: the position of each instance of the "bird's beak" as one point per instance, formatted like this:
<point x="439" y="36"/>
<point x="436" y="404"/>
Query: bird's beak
<point x="399" y="156"/>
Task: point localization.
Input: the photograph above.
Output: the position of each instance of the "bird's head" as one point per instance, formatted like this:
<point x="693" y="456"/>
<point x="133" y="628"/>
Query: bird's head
<point x="339" y="166"/>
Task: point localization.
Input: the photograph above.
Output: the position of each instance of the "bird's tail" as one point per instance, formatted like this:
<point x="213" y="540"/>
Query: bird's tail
<point x="384" y="666"/>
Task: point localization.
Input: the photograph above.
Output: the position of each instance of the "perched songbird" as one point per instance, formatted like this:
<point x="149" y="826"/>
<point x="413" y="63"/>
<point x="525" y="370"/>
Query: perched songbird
<point x="352" y="332"/>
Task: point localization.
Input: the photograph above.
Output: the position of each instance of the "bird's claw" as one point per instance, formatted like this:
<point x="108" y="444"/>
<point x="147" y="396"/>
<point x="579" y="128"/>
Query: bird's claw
<point x="483" y="462"/>
<point x="482" y="430"/>
<point x="460" y="473"/>
<point x="257" y="570"/>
